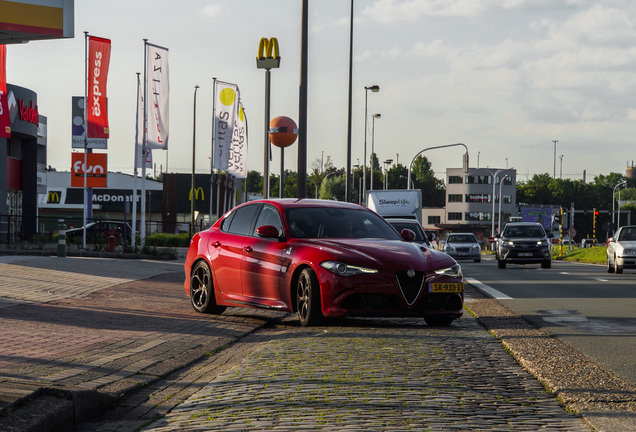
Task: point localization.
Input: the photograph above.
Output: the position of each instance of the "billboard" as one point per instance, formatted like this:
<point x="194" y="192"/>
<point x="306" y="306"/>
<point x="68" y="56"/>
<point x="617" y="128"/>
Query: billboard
<point x="539" y="215"/>
<point x="96" y="173"/>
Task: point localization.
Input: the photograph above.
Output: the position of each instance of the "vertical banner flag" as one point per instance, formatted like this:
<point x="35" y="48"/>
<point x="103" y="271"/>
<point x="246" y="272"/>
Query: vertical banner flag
<point x="225" y="108"/>
<point x="97" y="109"/>
<point x="139" y="132"/>
<point x="5" y="119"/>
<point x="237" y="165"/>
<point x="158" y="97"/>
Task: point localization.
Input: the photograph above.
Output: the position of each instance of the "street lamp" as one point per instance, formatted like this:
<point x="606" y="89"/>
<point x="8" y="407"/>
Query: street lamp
<point x="386" y="164"/>
<point x="501" y="182"/>
<point x="315" y="186"/>
<point x="408" y="180"/>
<point x="619" y="205"/>
<point x="374" y="89"/>
<point x="561" y="167"/>
<point x="410" y="168"/>
<point x="194" y="130"/>
<point x="373" y="144"/>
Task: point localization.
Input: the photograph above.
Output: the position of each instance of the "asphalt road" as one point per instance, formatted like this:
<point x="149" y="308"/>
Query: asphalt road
<point x="580" y="304"/>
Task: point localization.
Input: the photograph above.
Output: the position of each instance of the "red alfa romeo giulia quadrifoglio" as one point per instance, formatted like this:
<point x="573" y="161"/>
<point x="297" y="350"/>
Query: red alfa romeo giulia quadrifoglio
<point x="319" y="259"/>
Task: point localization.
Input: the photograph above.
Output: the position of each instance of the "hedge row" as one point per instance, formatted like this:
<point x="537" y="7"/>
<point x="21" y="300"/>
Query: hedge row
<point x="168" y="240"/>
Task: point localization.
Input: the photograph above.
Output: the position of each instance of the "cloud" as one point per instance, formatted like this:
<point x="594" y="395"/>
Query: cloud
<point x="213" y="11"/>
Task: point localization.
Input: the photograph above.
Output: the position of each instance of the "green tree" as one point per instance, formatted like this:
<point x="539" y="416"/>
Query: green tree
<point x="423" y="177"/>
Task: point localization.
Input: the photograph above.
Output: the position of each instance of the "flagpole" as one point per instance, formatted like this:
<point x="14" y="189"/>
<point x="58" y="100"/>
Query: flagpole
<point x="136" y="162"/>
<point x="85" y="210"/>
<point x="142" y="234"/>
<point x="212" y="155"/>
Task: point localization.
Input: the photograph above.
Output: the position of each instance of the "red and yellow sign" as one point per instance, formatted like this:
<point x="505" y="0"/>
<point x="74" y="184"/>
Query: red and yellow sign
<point x="96" y="173"/>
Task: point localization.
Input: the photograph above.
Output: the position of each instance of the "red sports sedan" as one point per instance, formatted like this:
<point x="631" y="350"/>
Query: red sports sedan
<point x="319" y="259"/>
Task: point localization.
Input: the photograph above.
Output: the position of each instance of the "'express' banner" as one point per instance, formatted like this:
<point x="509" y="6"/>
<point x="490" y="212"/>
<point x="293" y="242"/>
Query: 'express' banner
<point x="97" y="111"/>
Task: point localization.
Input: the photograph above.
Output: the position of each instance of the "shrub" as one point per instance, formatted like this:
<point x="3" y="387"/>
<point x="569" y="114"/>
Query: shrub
<point x="168" y="240"/>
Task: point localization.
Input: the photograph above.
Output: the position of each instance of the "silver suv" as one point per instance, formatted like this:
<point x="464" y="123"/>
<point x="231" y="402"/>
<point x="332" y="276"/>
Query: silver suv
<point x="523" y="243"/>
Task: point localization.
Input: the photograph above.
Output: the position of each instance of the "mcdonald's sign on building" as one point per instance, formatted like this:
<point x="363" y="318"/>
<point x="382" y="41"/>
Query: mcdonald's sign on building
<point x="53" y="197"/>
<point x="268" y="54"/>
<point x="199" y="195"/>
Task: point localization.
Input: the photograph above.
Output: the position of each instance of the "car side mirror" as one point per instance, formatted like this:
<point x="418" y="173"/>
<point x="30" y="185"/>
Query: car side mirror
<point x="268" y="231"/>
<point x="431" y="236"/>
<point x="407" y="235"/>
<point x="611" y="239"/>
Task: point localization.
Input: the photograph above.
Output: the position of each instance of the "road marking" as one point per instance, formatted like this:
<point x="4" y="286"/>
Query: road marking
<point x="487" y="289"/>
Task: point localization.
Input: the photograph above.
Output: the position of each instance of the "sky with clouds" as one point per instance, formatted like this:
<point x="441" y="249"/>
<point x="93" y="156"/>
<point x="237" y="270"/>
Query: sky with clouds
<point x="505" y="77"/>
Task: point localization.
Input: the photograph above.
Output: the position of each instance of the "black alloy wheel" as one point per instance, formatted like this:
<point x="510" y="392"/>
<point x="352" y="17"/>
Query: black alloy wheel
<point x="202" y="290"/>
<point x="308" y="305"/>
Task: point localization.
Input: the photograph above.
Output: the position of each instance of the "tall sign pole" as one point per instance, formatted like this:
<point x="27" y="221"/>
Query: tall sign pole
<point x="348" y="170"/>
<point x="301" y="185"/>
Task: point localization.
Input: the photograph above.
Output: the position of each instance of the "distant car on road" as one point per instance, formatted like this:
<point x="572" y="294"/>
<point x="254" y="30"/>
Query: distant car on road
<point x="621" y="250"/>
<point x="463" y="246"/>
<point x="523" y="243"/>
<point x="100" y="229"/>
<point x="412" y="224"/>
<point x="589" y="242"/>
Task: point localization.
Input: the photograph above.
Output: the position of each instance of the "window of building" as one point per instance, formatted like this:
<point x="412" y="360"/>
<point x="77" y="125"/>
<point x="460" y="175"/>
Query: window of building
<point x="454" y="198"/>
<point x="483" y="179"/>
<point x="434" y="220"/>
<point x="454" y="179"/>
<point x="508" y="181"/>
<point x="470" y="179"/>
<point x="454" y="216"/>
<point x="507" y="199"/>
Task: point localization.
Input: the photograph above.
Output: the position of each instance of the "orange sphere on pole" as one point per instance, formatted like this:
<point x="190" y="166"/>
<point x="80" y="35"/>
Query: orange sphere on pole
<point x="282" y="131"/>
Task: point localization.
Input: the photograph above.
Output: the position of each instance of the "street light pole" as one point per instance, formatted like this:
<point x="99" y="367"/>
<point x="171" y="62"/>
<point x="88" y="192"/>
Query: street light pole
<point x="348" y="169"/>
<point x="192" y="189"/>
<point x="438" y="147"/>
<point x="614" y="207"/>
<point x="555" y="143"/>
<point x="374" y="116"/>
<point x="374" y="89"/>
<point x="501" y="182"/>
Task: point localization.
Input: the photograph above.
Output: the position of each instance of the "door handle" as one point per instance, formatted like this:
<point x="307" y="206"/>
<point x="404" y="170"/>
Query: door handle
<point x="216" y="244"/>
<point x="247" y="249"/>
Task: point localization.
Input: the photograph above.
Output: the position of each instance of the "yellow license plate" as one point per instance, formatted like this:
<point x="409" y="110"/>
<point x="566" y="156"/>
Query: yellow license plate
<point x="447" y="287"/>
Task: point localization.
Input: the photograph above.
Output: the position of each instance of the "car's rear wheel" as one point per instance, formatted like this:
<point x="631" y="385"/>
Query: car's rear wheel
<point x="617" y="269"/>
<point x="501" y="264"/>
<point x="438" y="320"/>
<point x="477" y="259"/>
<point x="202" y="290"/>
<point x="308" y="305"/>
<point x="610" y="266"/>
<point x="546" y="264"/>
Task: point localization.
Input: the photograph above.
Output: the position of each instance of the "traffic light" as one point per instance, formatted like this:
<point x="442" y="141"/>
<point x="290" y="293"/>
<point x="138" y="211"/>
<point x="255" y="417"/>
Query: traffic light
<point x="594" y="214"/>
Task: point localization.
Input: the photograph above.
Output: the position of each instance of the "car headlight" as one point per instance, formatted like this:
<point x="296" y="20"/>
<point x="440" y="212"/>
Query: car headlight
<point x="452" y="271"/>
<point x="542" y="243"/>
<point x="475" y="248"/>
<point x="629" y="252"/>
<point x="449" y="248"/>
<point x="344" y="269"/>
<point x="509" y="243"/>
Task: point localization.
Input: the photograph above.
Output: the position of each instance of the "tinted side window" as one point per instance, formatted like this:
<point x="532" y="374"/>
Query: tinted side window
<point x="243" y="219"/>
<point x="225" y="223"/>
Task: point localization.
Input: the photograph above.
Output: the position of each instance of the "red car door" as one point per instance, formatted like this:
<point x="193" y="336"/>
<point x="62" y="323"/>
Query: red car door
<point x="265" y="260"/>
<point x="226" y="249"/>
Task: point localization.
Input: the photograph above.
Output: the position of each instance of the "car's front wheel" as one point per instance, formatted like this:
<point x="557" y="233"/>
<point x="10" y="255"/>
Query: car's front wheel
<point x="546" y="264"/>
<point x="610" y="266"/>
<point x="617" y="269"/>
<point x="501" y="264"/>
<point x="308" y="305"/>
<point x="202" y="290"/>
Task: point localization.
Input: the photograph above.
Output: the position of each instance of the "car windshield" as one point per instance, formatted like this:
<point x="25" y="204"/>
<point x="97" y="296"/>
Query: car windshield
<point x="628" y="234"/>
<point x="524" y="231"/>
<point x="326" y="222"/>
<point x="419" y="233"/>
<point x="464" y="238"/>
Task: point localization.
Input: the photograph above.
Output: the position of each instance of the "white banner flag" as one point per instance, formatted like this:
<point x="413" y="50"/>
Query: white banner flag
<point x="157" y="105"/>
<point x="237" y="165"/>
<point x="139" y="131"/>
<point x="225" y="108"/>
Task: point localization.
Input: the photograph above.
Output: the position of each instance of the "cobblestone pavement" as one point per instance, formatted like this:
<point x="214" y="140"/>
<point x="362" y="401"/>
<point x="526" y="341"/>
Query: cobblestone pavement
<point x="83" y="329"/>
<point x="384" y="375"/>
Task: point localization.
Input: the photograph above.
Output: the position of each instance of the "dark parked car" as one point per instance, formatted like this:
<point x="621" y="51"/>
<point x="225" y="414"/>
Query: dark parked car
<point x="319" y="258"/>
<point x="99" y="230"/>
<point x="523" y="243"/>
<point x="621" y="250"/>
<point x="589" y="242"/>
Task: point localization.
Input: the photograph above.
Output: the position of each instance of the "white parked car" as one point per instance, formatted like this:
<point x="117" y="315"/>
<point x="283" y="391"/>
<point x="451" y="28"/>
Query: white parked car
<point x="463" y="246"/>
<point x="621" y="250"/>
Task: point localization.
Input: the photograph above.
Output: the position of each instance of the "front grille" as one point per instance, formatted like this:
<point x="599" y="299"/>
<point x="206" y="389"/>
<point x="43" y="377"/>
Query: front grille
<point x="410" y="286"/>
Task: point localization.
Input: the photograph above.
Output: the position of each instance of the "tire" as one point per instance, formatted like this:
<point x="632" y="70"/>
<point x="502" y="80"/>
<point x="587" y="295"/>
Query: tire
<point x="438" y="320"/>
<point x="477" y="259"/>
<point x="610" y="266"/>
<point x="501" y="264"/>
<point x="202" y="290"/>
<point x="308" y="305"/>
<point x="546" y="264"/>
<point x="617" y="269"/>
